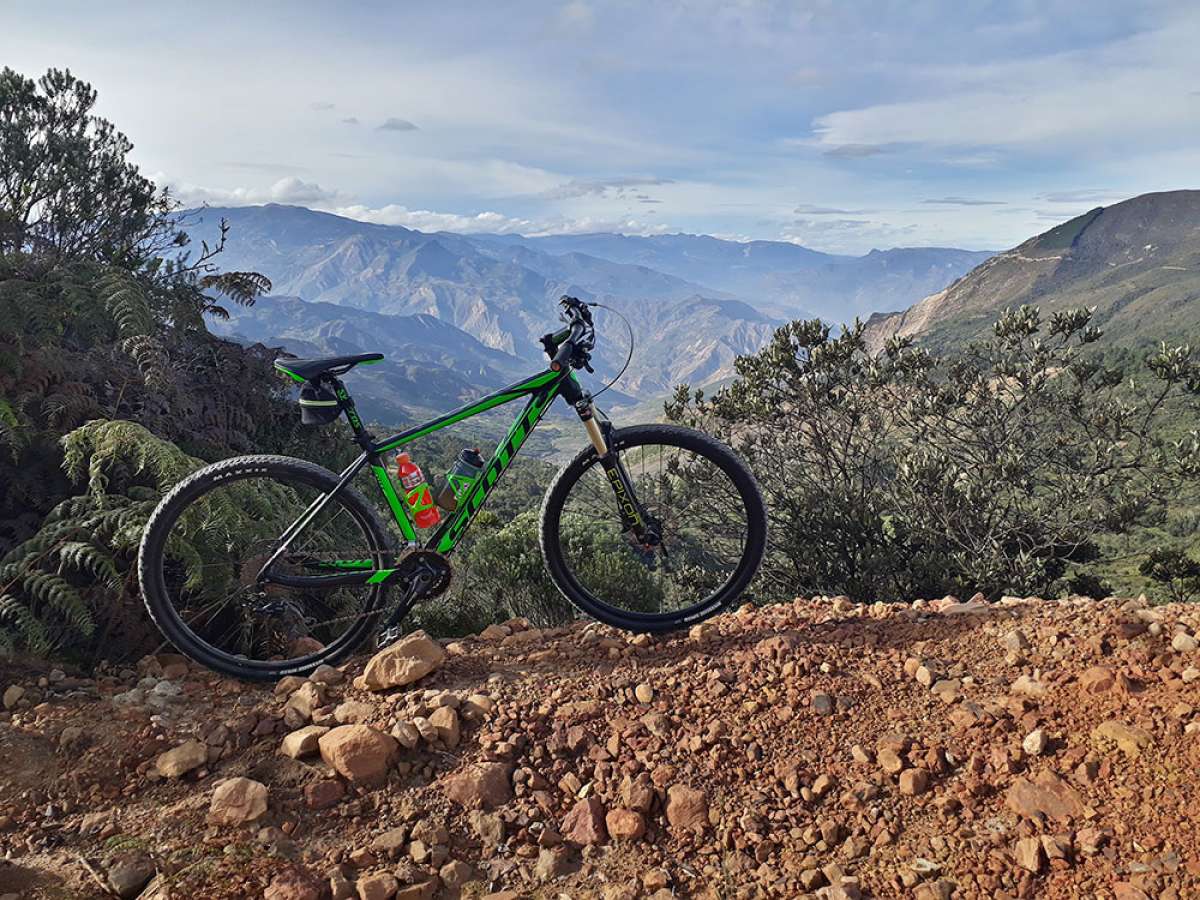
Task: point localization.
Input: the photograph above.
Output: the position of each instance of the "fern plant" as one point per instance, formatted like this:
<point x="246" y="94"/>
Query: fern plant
<point x="57" y="587"/>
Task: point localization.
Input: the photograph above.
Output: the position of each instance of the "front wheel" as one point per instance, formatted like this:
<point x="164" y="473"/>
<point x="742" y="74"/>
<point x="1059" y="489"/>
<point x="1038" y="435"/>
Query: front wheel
<point x="705" y="508"/>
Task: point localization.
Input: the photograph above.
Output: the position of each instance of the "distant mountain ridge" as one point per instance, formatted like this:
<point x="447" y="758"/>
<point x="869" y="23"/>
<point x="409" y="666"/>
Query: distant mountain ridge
<point x="695" y="303"/>
<point x="429" y="365"/>
<point x="1137" y="262"/>
<point x="780" y="277"/>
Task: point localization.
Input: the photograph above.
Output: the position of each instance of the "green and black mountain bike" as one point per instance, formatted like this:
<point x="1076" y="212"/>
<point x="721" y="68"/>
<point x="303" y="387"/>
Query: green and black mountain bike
<point x="264" y="566"/>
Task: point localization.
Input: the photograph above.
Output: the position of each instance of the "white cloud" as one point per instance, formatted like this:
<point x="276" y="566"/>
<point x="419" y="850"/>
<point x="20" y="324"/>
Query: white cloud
<point x="491" y="222"/>
<point x="286" y="190"/>
<point x="1121" y="92"/>
<point x="600" y="187"/>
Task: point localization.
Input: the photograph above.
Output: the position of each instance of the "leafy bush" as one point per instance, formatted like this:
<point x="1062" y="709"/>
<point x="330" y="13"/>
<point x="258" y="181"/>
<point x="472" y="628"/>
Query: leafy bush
<point x="903" y="474"/>
<point x="102" y="305"/>
<point x="1175" y="571"/>
<point x="75" y="575"/>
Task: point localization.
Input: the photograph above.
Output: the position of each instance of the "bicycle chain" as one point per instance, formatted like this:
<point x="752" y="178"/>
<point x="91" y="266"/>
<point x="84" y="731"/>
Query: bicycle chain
<point x="404" y="599"/>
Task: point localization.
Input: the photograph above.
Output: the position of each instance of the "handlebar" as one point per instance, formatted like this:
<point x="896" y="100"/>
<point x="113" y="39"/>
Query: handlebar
<point x="572" y="345"/>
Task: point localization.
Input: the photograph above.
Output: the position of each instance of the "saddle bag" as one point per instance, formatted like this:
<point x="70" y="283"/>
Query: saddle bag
<point x="318" y="405"/>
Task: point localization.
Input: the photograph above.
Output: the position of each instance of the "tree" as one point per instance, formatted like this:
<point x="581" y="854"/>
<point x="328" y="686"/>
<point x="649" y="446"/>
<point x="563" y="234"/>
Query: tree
<point x="67" y="189"/>
<point x="1174" y="570"/>
<point x="102" y="317"/>
<point x="996" y="468"/>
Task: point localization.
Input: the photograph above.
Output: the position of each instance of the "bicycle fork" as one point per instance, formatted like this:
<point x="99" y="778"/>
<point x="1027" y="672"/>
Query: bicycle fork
<point x="633" y="515"/>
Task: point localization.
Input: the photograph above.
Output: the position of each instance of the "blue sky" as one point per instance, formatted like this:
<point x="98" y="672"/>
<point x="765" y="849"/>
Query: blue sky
<point x="839" y="125"/>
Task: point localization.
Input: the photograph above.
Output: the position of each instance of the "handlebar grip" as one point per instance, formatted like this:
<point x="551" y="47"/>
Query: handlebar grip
<point x="562" y="357"/>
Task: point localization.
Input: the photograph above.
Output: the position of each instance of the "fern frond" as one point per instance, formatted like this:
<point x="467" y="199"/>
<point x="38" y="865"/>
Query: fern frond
<point x="91" y="560"/>
<point x="242" y="288"/>
<point x="126" y="303"/>
<point x="18" y="624"/>
<point x="55" y="592"/>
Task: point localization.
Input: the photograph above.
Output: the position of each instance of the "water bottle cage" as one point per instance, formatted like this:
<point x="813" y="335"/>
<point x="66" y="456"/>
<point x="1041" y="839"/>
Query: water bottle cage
<point x="419" y="498"/>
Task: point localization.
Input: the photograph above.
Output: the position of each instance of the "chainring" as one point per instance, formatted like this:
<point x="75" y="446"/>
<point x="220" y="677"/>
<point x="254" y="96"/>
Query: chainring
<point x="428" y="563"/>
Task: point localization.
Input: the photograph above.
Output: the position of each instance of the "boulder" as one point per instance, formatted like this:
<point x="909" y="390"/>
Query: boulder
<point x="380" y="886"/>
<point x="294" y="884"/>
<point x="324" y="793"/>
<point x="481" y="786"/>
<point x="129" y="872"/>
<point x="1046" y="795"/>
<point x="410" y="658"/>
<point x="584" y="824"/>
<point x="687" y="808"/>
<point x="237" y="800"/>
<point x="445" y="720"/>
<point x="1129" y="739"/>
<point x="303" y="742"/>
<point x="358" y="753"/>
<point x="625" y="824"/>
<point x="178" y="761"/>
<point x="914" y="782"/>
<point x="1098" y="680"/>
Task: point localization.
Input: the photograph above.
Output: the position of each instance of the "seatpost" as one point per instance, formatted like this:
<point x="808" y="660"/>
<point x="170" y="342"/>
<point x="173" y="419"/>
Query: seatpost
<point x="346" y="402"/>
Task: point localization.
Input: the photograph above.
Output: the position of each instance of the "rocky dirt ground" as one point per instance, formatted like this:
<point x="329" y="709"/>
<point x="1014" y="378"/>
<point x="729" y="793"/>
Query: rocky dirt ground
<point x="941" y="750"/>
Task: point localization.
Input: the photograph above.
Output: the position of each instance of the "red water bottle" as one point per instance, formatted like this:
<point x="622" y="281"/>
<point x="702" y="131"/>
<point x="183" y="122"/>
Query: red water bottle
<point x="416" y="492"/>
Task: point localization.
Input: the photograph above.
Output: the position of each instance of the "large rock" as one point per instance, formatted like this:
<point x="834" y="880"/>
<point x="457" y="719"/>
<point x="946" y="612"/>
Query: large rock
<point x="1128" y="738"/>
<point x="359" y="753"/>
<point x="236" y="801"/>
<point x="178" y="761"/>
<point x="1098" y="680"/>
<point x="483" y="785"/>
<point x="294" y="884"/>
<point x="401" y="663"/>
<point x="380" y="886"/>
<point x="128" y="873"/>
<point x="422" y="890"/>
<point x="687" y="808"/>
<point x="1046" y="795"/>
<point x="584" y="824"/>
<point x="12" y="695"/>
<point x="445" y="720"/>
<point x="625" y="824"/>
<point x="303" y="742"/>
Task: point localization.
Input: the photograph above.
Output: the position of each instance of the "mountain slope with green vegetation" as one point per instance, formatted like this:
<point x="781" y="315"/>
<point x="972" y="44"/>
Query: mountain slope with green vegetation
<point x="1137" y="262"/>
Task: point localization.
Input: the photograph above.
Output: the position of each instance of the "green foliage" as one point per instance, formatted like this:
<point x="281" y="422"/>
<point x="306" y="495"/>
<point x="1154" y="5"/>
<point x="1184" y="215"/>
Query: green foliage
<point x="997" y="468"/>
<point x="75" y="572"/>
<point x="68" y="191"/>
<point x="1175" y="571"/>
<point x="102" y="307"/>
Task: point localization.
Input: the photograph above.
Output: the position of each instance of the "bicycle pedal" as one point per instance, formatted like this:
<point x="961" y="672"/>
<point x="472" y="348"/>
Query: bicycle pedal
<point x="388" y="636"/>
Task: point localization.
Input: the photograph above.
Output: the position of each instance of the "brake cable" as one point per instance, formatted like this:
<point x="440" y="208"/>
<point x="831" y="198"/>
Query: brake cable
<point x="628" y="358"/>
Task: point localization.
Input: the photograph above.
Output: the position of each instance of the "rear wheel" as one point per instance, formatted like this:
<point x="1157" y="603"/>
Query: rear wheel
<point x="695" y="491"/>
<point x="210" y="537"/>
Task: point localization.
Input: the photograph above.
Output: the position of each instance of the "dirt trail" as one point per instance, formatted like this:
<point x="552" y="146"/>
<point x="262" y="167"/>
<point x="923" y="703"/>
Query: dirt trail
<point x="817" y="748"/>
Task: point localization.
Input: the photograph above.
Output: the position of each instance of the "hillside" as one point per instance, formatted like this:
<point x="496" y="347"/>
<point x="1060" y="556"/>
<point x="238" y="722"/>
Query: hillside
<point x="695" y="302"/>
<point x="429" y="367"/>
<point x="809" y="749"/>
<point x="503" y="296"/>
<point x="1137" y="262"/>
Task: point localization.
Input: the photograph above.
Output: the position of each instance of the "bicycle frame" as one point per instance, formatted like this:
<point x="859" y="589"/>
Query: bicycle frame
<point x="541" y="391"/>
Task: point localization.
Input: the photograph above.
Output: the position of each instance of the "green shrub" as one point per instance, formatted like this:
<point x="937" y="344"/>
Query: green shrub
<point x="903" y="474"/>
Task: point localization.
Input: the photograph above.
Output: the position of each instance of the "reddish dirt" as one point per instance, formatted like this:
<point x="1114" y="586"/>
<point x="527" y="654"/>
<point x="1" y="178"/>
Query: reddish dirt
<point x="818" y="748"/>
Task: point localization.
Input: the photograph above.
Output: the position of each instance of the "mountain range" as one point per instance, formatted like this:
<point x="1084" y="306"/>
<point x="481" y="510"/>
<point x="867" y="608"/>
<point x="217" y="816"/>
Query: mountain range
<point x="694" y="303"/>
<point x="1136" y="262"/>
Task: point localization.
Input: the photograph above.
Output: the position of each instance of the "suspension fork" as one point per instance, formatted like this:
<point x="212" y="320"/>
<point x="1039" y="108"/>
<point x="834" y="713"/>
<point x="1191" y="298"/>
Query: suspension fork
<point x="633" y="515"/>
